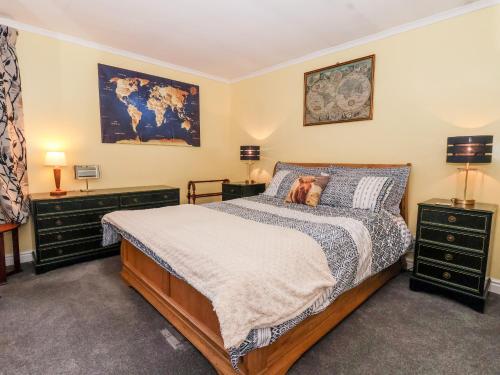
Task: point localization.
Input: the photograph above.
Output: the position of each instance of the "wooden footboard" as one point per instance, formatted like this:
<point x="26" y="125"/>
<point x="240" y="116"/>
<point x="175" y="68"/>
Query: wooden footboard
<point x="193" y="315"/>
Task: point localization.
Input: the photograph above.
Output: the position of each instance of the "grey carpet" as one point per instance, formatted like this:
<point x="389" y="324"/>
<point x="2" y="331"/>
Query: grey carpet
<point x="83" y="320"/>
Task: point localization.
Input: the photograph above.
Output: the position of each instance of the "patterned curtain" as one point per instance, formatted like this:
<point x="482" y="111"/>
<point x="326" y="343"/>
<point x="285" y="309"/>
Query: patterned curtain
<point x="13" y="175"/>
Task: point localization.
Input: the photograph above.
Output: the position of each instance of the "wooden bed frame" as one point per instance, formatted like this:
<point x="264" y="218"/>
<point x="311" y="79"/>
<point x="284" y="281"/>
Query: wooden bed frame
<point x="193" y="315"/>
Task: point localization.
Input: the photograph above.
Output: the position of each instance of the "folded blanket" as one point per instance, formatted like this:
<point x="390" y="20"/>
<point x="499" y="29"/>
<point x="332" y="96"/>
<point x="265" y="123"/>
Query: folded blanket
<point x="256" y="275"/>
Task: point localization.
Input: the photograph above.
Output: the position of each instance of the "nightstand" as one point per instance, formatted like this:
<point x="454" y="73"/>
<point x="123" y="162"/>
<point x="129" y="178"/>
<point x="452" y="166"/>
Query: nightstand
<point x="453" y="250"/>
<point x="232" y="190"/>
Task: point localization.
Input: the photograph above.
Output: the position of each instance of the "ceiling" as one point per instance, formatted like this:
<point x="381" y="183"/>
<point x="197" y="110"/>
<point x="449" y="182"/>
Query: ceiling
<point x="223" y="38"/>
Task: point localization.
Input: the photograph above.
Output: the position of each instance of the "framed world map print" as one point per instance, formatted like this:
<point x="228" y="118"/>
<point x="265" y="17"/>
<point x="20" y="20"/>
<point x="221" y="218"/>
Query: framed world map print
<point x="339" y="93"/>
<point x="138" y="108"/>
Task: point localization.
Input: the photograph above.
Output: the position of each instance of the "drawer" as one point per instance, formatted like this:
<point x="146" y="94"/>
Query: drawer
<point x="51" y="238"/>
<point x="448" y="276"/>
<point x="248" y="191"/>
<point x="63" y="221"/>
<point x="227" y="197"/>
<point x="450" y="257"/>
<point x="452" y="238"/>
<point x="154" y="205"/>
<point x="70" y="249"/>
<point x="454" y="219"/>
<point x="68" y="205"/>
<point x="232" y="189"/>
<point x="148" y="198"/>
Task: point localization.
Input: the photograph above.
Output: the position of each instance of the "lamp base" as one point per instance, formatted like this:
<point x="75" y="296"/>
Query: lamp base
<point x="58" y="193"/>
<point x="463" y="202"/>
<point x="57" y="179"/>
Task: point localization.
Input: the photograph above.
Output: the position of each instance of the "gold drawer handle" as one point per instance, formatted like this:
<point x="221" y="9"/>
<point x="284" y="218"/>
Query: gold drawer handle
<point x="446" y="275"/>
<point x="135" y="200"/>
<point x="448" y="256"/>
<point x="100" y="203"/>
<point x="452" y="219"/>
<point x="57" y="207"/>
<point x="59" y="222"/>
<point x="450" y="238"/>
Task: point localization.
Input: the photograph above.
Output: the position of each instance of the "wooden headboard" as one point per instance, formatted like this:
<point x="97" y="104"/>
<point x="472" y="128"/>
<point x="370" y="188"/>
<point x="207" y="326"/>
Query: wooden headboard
<point x="403" y="206"/>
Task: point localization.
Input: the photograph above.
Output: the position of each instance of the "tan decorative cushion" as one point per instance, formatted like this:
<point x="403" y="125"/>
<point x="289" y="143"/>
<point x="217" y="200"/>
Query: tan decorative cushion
<point x="307" y="190"/>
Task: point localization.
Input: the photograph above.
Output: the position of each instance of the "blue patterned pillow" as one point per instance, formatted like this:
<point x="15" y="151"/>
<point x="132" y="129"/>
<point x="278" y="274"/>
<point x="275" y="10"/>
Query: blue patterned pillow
<point x="368" y="193"/>
<point x="312" y="171"/>
<point x="398" y="175"/>
<point x="281" y="179"/>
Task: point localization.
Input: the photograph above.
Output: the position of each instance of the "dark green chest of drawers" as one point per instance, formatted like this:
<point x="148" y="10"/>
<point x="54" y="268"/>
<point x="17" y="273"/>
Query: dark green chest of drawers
<point x="232" y="190"/>
<point x="453" y="252"/>
<point x="68" y="229"/>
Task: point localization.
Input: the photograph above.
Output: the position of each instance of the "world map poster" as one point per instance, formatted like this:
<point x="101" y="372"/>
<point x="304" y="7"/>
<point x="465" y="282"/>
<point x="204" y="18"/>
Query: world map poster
<point x="138" y="108"/>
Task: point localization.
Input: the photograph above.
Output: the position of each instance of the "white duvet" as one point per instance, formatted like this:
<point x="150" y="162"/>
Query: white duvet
<point x="256" y="275"/>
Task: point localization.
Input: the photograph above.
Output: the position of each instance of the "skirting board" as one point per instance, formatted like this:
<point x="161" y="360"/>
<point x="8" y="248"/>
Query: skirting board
<point x="495" y="286"/>
<point x="408" y="263"/>
<point x="26" y="257"/>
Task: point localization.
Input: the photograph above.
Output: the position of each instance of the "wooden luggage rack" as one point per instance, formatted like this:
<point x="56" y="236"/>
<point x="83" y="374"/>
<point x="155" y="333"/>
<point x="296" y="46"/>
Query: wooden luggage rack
<point x="193" y="195"/>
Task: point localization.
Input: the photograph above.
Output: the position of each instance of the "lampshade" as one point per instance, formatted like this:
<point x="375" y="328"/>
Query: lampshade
<point x="55" y="159"/>
<point x="249" y="152"/>
<point x="470" y="149"/>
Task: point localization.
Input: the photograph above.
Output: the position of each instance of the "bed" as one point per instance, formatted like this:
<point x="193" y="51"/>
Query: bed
<point x="193" y="313"/>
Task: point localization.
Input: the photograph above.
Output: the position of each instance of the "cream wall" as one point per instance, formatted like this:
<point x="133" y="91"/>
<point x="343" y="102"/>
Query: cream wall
<point x="61" y="110"/>
<point x="430" y="83"/>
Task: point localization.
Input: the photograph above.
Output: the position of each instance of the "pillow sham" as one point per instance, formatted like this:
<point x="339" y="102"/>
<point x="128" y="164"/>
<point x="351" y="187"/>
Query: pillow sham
<point x="307" y="190"/>
<point x="368" y="193"/>
<point x="279" y="179"/>
<point x="312" y="171"/>
<point x="398" y="175"/>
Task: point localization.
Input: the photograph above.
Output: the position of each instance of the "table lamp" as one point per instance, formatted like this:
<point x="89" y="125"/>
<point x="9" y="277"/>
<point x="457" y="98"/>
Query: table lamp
<point x="249" y="154"/>
<point x="474" y="149"/>
<point x="56" y="159"/>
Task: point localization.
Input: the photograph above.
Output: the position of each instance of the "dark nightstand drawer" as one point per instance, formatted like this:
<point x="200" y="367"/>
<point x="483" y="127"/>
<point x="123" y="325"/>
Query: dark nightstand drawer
<point x="70" y="249"/>
<point x="59" y="222"/>
<point x="76" y="205"/>
<point x="454" y="219"/>
<point x="232" y="189"/>
<point x="152" y="205"/>
<point x="53" y="238"/>
<point x="148" y="198"/>
<point x="254" y="189"/>
<point x="228" y="197"/>
<point x="450" y="257"/>
<point x="452" y="238"/>
<point x="448" y="276"/>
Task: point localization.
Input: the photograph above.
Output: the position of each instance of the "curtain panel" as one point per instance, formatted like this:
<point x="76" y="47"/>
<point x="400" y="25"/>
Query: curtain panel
<point x="14" y="206"/>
